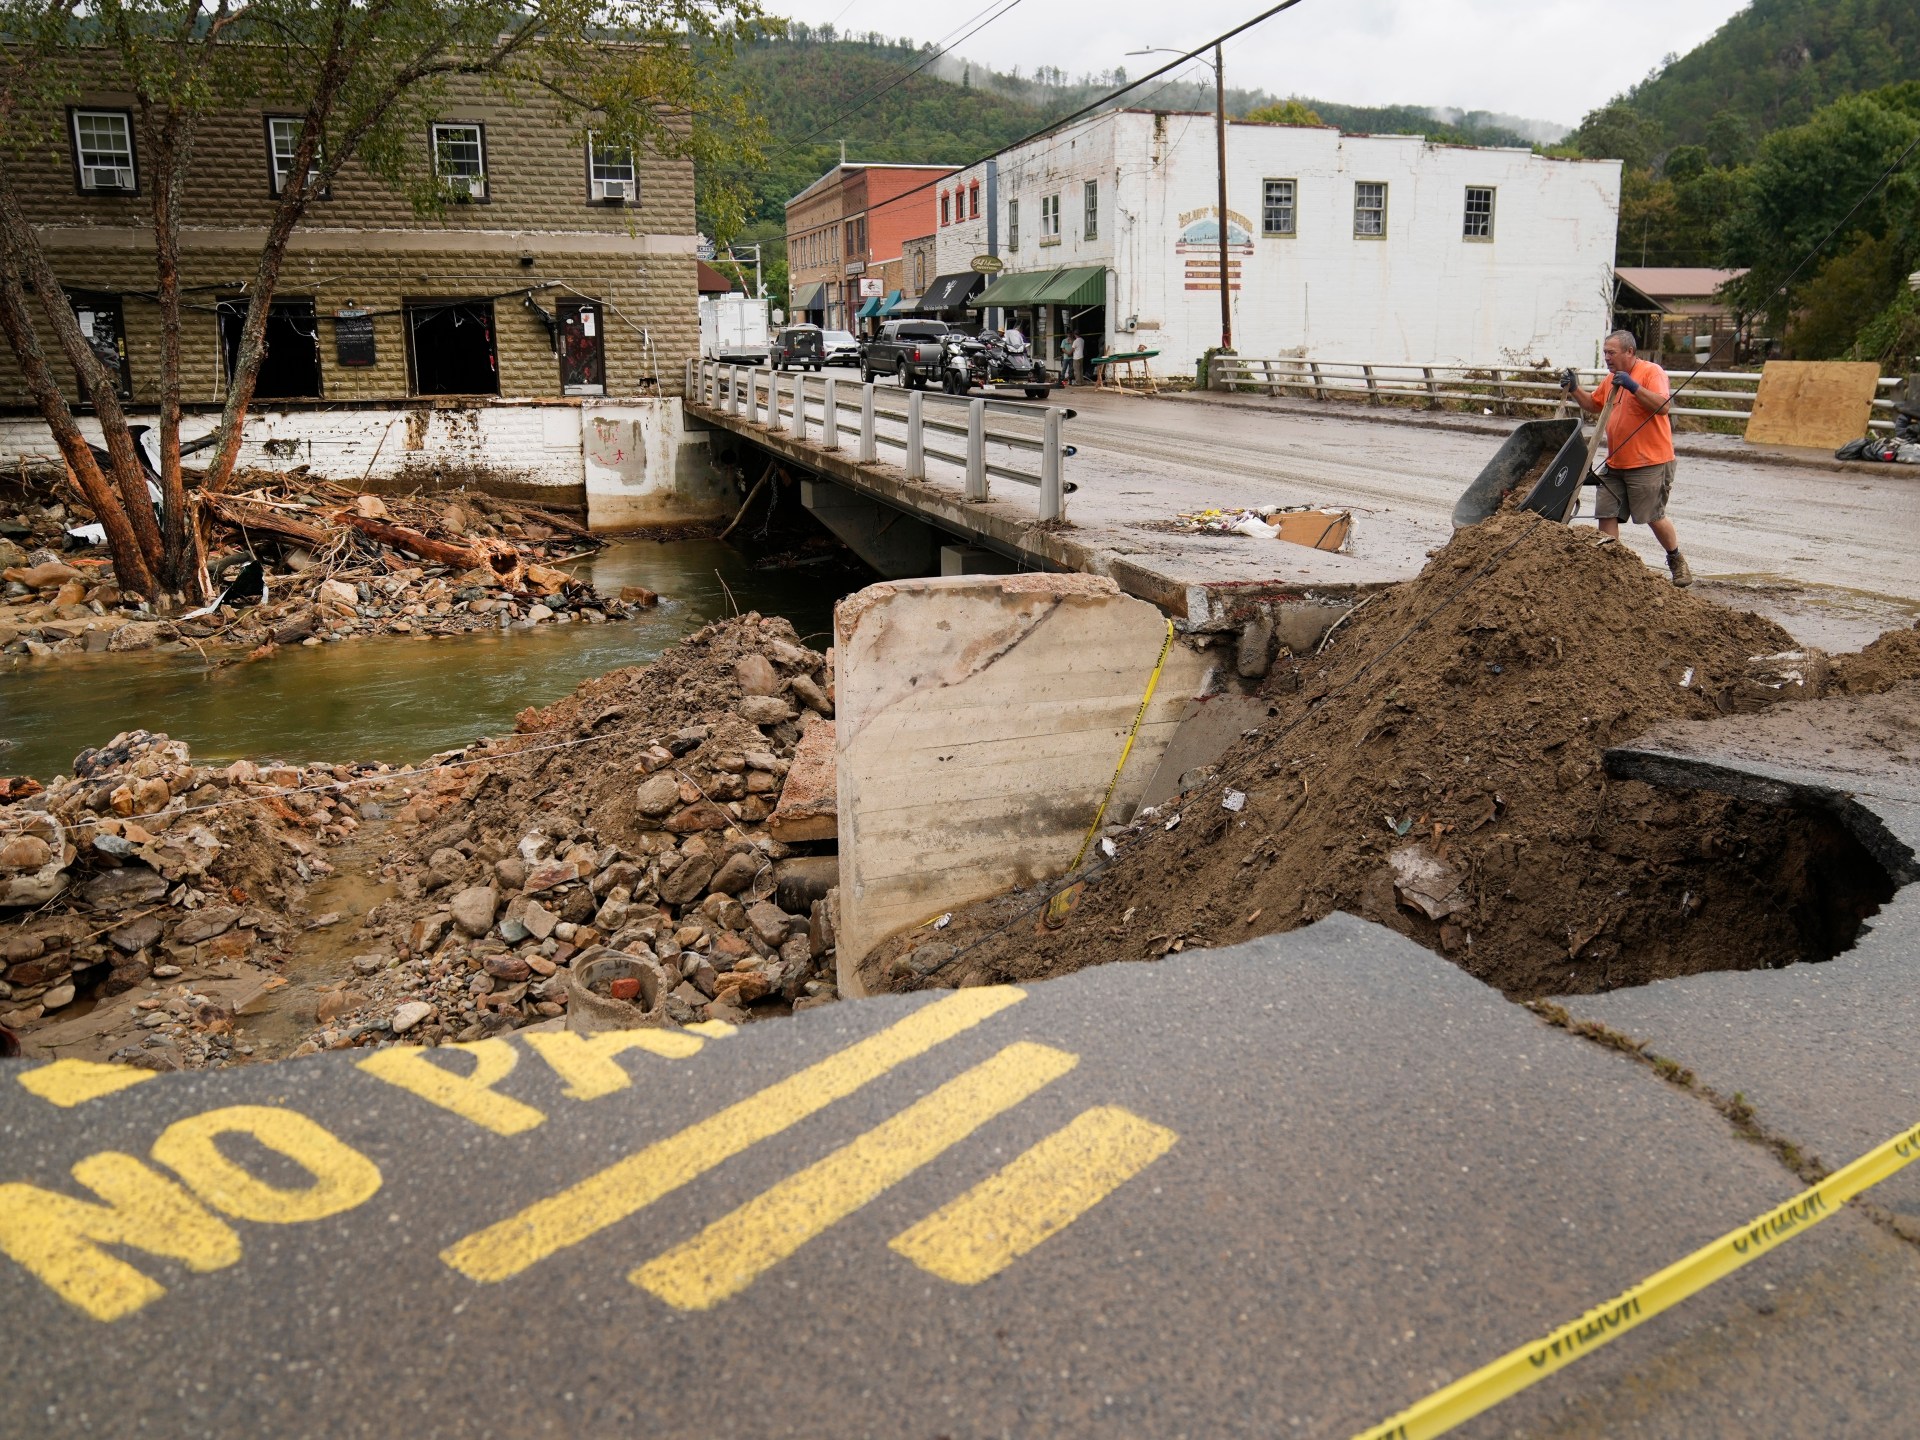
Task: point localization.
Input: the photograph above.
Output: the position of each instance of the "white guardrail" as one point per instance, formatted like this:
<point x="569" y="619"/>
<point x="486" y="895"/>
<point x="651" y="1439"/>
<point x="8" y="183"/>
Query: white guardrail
<point x="1730" y="392"/>
<point x="816" y="409"/>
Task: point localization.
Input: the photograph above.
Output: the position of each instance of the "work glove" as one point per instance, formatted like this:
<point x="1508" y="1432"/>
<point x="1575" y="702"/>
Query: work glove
<point x="1569" y="381"/>
<point x="1627" y="383"/>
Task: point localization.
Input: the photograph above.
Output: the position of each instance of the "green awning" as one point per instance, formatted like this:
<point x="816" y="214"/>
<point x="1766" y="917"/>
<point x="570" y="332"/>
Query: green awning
<point x="1016" y="289"/>
<point x="1069" y="285"/>
<point x="892" y="300"/>
<point x="870" y="309"/>
<point x="811" y="297"/>
<point x="1084" y="285"/>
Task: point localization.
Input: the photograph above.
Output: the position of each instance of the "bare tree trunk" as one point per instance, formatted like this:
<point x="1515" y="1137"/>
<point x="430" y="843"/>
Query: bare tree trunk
<point x="182" y="567"/>
<point x="130" y="567"/>
<point x="101" y="388"/>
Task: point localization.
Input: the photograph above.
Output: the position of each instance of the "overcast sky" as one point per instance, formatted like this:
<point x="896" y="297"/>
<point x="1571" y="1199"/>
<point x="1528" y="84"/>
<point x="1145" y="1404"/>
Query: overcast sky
<point x="1543" y="59"/>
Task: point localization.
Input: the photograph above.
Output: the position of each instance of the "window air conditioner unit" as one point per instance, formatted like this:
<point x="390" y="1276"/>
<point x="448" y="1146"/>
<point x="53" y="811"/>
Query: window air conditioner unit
<point x="616" y="189"/>
<point x="107" y="177"/>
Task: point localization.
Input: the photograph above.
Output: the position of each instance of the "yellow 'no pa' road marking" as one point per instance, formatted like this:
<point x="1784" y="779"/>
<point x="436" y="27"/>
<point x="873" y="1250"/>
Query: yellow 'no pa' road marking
<point x="1039" y="1194"/>
<point x="738" y="1248"/>
<point x="506" y="1248"/>
<point x="67" y="1083"/>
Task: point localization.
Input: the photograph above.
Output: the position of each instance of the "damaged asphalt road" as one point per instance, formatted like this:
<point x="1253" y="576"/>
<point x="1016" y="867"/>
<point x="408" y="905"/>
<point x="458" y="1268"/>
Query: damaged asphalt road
<point x="1353" y="1176"/>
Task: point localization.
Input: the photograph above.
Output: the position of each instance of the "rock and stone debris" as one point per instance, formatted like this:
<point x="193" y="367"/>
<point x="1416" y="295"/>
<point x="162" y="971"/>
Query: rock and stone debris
<point x="1439" y="770"/>
<point x="143" y="867"/>
<point x="627" y="823"/>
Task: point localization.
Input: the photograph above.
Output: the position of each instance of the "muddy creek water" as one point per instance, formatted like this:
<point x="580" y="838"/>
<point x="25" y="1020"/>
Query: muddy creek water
<point x="397" y="698"/>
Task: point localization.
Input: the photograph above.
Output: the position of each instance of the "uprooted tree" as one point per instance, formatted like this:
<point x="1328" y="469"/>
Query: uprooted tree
<point x="362" y="76"/>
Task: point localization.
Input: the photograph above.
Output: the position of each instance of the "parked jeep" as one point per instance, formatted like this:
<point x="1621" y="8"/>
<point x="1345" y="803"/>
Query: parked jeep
<point x="909" y="350"/>
<point x="799" y="347"/>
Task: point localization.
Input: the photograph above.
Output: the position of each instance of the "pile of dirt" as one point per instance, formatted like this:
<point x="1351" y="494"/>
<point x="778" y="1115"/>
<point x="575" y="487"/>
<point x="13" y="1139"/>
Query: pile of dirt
<point x="1439" y="770"/>
<point x="1891" y="660"/>
<point x="623" y="828"/>
<point x="142" y="867"/>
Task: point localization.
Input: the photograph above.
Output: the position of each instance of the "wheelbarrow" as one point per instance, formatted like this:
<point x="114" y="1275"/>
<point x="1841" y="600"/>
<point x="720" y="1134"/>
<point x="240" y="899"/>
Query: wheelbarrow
<point x="1552" y="494"/>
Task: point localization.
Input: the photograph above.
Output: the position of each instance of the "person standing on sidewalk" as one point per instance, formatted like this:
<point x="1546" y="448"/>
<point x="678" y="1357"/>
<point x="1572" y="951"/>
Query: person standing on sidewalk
<point x="1077" y="357"/>
<point x="1638" y="477"/>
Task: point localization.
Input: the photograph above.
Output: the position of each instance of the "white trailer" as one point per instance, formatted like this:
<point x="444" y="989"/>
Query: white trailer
<point x="733" y="328"/>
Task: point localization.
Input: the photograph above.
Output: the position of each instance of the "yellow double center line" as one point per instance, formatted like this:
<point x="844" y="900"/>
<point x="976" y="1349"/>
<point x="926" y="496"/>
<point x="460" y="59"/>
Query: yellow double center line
<point x="506" y="1248"/>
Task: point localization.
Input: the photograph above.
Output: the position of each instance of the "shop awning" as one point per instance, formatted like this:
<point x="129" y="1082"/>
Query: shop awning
<point x="811" y="297"/>
<point x="1070" y="285"/>
<point x="891" y="304"/>
<point x="1008" y="290"/>
<point x="868" y="310"/>
<point x="1082" y="285"/>
<point x="950" y="292"/>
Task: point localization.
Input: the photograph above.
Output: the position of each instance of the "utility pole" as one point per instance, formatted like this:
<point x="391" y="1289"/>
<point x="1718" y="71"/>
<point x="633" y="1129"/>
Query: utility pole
<point x="1220" y="122"/>
<point x="1220" y="126"/>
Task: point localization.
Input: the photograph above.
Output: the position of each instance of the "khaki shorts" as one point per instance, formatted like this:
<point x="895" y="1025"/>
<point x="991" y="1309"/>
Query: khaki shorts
<point x="1640" y="493"/>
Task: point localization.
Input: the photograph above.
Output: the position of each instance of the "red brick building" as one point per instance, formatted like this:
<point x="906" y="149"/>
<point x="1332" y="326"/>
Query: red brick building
<point x="850" y="225"/>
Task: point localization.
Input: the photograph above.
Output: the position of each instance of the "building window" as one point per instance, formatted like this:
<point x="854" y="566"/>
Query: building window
<point x="460" y="160"/>
<point x="1369" y="209"/>
<point x="290" y="366"/>
<point x="611" y="178"/>
<point x="103" y="327"/>
<point x="945" y="201"/>
<point x="860" y="236"/>
<point x="1013" y="224"/>
<point x="103" y="151"/>
<point x="973" y="202"/>
<point x="1092" y="231"/>
<point x="450" y="347"/>
<point x="283" y="138"/>
<point x="1479" y="221"/>
<point x="1049" y="219"/>
<point x="1276" y="207"/>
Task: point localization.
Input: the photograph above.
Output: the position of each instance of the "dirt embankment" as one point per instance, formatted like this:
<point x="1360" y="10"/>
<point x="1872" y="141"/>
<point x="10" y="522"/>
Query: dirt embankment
<point x="1439" y="770"/>
<point x="624" y="824"/>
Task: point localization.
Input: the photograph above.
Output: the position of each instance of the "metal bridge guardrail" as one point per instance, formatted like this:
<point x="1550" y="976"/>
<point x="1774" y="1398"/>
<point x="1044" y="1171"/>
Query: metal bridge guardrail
<point x="1508" y="385"/>
<point x="815" y="409"/>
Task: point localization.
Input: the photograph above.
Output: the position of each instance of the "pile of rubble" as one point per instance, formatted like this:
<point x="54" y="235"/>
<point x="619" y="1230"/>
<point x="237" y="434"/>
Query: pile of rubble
<point x="612" y="857"/>
<point x="142" y="866"/>
<point x="296" y="562"/>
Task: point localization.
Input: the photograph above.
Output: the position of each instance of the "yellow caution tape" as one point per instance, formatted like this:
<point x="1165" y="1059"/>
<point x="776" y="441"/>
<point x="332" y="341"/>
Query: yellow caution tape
<point x="1060" y="903"/>
<point x="1515" y="1371"/>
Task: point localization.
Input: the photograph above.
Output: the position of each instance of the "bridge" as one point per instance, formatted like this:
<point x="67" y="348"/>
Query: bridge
<point x="923" y="483"/>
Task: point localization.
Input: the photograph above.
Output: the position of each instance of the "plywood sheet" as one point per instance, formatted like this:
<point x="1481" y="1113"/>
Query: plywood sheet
<point x="1817" y="403"/>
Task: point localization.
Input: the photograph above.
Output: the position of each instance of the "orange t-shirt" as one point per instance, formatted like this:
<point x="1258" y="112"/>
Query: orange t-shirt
<point x="1634" y="436"/>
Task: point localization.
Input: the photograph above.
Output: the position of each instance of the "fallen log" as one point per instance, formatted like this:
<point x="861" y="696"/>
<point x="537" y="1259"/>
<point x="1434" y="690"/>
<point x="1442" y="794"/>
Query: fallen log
<point x="244" y="516"/>
<point x="504" y="560"/>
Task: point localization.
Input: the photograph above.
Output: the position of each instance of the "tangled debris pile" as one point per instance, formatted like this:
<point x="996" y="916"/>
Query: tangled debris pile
<point x="1439" y="770"/>
<point x="143" y="866"/>
<point x="310" y="563"/>
<point x="612" y="857"/>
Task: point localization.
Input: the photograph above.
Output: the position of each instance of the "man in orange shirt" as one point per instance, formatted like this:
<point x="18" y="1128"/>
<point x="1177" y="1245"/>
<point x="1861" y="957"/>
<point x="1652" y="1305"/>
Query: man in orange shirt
<point x="1639" y="472"/>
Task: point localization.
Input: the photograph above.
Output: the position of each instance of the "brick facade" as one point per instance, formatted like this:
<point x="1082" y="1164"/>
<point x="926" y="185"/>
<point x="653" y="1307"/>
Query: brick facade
<point x="852" y="222"/>
<point x="364" y="246"/>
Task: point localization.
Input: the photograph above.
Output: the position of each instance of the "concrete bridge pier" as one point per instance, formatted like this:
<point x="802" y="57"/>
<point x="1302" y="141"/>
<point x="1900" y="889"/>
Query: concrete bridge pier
<point x="893" y="542"/>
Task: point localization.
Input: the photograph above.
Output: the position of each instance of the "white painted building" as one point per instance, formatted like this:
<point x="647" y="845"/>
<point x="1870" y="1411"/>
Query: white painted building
<point x="1381" y="248"/>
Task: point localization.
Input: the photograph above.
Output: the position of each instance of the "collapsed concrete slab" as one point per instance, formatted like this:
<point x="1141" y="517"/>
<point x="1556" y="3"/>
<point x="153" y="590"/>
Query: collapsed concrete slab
<point x="980" y="719"/>
<point x="808" y="808"/>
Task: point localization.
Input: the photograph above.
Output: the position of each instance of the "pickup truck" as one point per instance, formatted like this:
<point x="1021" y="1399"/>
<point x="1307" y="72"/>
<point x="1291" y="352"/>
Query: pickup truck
<point x="908" y="349"/>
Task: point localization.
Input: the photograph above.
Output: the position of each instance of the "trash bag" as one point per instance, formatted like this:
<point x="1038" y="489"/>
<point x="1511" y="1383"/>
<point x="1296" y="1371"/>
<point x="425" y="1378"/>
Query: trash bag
<point x="1851" y="450"/>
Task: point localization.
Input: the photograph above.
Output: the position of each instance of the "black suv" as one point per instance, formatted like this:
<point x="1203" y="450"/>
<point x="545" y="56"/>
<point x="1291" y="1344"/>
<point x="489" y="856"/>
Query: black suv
<point x="908" y="349"/>
<point x="800" y="346"/>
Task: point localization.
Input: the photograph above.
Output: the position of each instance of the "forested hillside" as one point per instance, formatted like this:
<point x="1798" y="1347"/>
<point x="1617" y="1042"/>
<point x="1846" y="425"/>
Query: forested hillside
<point x="1761" y="149"/>
<point x="1777" y="62"/>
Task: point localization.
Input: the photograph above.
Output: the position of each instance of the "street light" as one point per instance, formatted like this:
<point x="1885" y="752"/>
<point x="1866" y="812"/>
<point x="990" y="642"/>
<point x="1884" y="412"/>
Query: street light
<point x="1220" y="126"/>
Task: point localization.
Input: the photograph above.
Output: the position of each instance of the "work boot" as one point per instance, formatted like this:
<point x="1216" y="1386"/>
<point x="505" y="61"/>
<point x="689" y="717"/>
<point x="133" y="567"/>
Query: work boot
<point x="1682" y="572"/>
